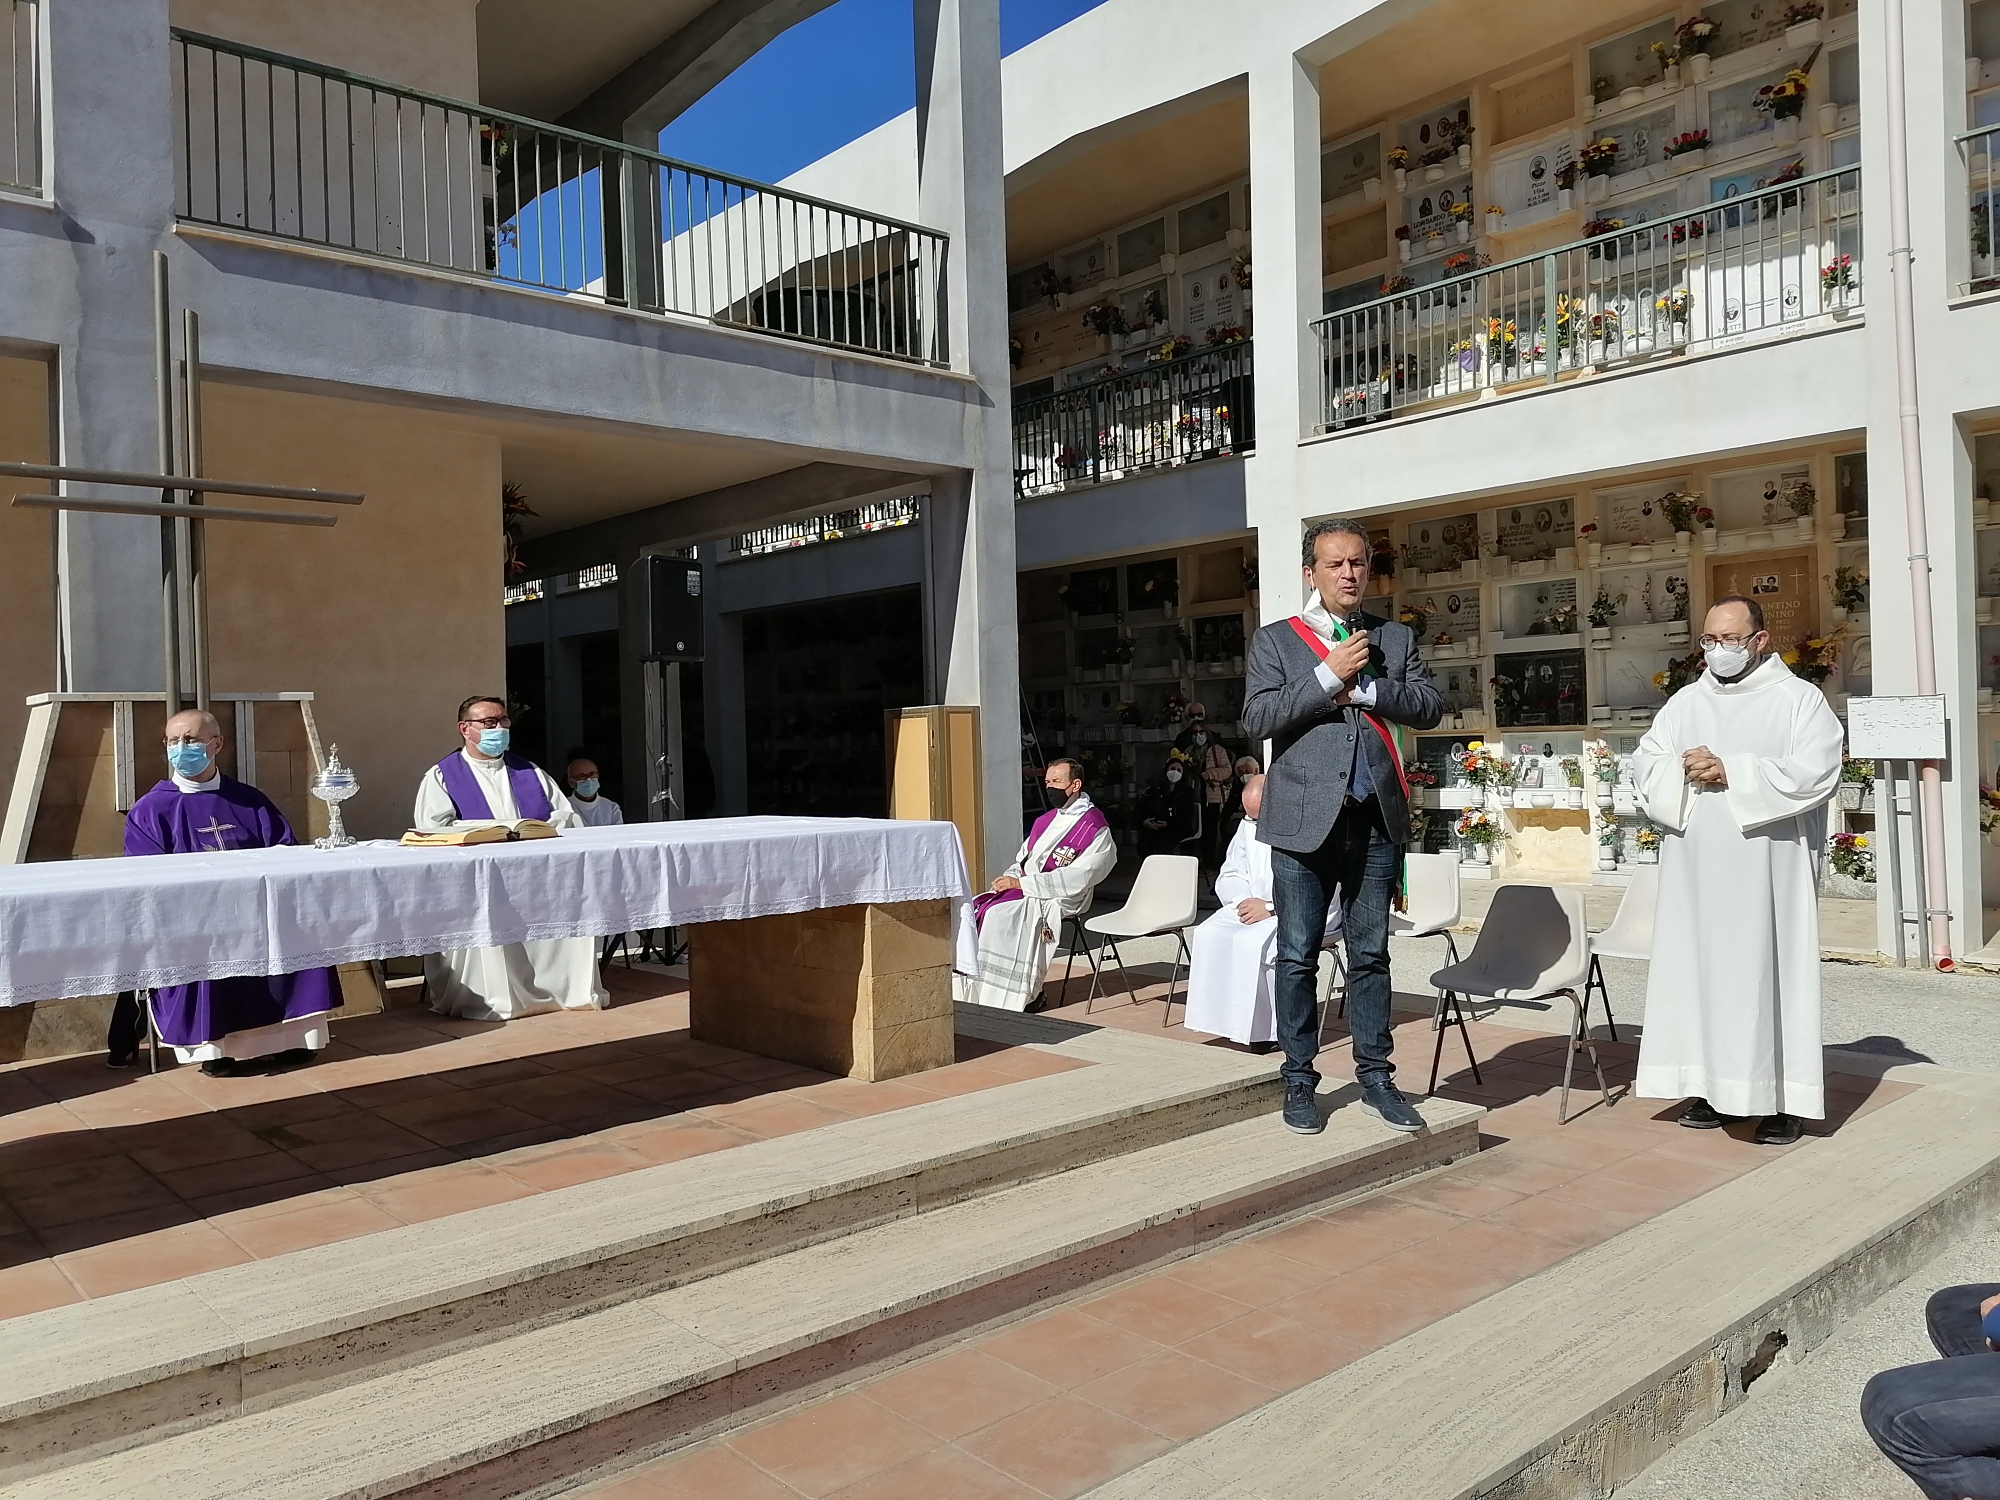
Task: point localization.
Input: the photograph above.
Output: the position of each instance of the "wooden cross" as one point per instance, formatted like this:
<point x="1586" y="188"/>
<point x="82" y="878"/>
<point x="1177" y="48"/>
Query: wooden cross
<point x="181" y="507"/>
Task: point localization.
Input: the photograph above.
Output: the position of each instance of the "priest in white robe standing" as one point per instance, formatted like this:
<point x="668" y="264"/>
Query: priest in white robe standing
<point x="483" y="780"/>
<point x="1229" y="968"/>
<point x="1738" y="769"/>
<point x="1069" y="850"/>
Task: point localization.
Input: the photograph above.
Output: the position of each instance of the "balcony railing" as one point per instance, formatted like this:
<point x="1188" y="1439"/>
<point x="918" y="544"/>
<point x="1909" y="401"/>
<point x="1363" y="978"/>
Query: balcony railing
<point x="1201" y="405"/>
<point x="1767" y="263"/>
<point x="834" y="526"/>
<point x="21" y="98"/>
<point x="1981" y="148"/>
<point x="277" y="146"/>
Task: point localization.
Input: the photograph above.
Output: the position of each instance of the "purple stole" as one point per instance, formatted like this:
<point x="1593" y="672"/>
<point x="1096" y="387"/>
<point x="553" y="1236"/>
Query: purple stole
<point x="1081" y="835"/>
<point x="470" y="799"/>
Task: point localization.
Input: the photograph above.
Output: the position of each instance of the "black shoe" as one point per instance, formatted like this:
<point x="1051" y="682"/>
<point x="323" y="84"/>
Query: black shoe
<point x="1263" y="1049"/>
<point x="1386" y="1103"/>
<point x="129" y="1060"/>
<point x="222" y="1067"/>
<point x="1302" y="1109"/>
<point x="296" y="1057"/>
<point x="1779" y="1130"/>
<point x="1701" y="1115"/>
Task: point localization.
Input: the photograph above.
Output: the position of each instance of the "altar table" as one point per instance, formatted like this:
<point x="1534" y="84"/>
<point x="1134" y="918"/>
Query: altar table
<point x="825" y="941"/>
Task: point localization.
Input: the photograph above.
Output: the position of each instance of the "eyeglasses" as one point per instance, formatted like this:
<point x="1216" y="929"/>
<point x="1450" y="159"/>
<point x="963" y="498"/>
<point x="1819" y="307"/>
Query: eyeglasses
<point x="1727" y="640"/>
<point x="489" y="723"/>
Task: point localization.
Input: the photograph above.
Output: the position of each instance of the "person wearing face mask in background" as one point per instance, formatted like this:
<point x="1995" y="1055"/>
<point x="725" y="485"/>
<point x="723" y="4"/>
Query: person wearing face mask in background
<point x="1212" y="778"/>
<point x="1054" y="876"/>
<point x="1738" y="769"/>
<point x="229" y="1026"/>
<point x="592" y="810"/>
<point x="483" y="780"/>
<point x="1169" y="817"/>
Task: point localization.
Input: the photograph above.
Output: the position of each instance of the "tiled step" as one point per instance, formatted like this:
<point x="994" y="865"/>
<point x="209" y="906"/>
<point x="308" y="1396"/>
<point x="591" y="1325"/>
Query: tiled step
<point x="1566" y="1385"/>
<point x="590" y="1394"/>
<point x="91" y="1377"/>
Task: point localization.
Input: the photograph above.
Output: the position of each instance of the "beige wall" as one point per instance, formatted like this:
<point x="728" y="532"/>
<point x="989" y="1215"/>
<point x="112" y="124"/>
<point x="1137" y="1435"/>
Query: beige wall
<point x="391" y="616"/>
<point x="421" y="44"/>
<point x="27" y="557"/>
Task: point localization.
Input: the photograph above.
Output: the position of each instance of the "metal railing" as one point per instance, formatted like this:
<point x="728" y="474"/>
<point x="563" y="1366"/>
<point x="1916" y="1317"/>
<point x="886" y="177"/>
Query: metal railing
<point x="1768" y="262"/>
<point x="279" y="146"/>
<point x="1981" y="148"/>
<point x="21" y="96"/>
<point x="1201" y="405"/>
<point x="597" y="576"/>
<point x="834" y="526"/>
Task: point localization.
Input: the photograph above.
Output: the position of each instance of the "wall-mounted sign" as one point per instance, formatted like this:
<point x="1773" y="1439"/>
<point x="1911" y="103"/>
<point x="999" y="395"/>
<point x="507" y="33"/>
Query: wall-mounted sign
<point x="1527" y="532"/>
<point x="1784" y="584"/>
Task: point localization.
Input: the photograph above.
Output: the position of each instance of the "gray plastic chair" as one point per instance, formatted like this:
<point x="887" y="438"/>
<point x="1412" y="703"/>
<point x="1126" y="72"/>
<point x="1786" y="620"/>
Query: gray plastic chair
<point x="1162" y="900"/>
<point x="1533" y="945"/>
<point x="1630" y="935"/>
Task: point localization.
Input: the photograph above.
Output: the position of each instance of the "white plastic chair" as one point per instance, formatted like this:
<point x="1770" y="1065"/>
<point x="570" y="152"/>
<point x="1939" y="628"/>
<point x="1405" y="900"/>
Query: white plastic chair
<point x="1630" y="935"/>
<point x="1432" y="883"/>
<point x="1162" y="901"/>
<point x="1533" y="945"/>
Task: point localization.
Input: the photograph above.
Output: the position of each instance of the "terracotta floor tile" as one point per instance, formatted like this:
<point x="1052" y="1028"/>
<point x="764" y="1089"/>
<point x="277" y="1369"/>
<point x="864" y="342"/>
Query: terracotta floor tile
<point x="48" y="1136"/>
<point x="144" y="1103"/>
<point x="544" y="1168"/>
<point x="956" y="1080"/>
<point x="1064" y="1446"/>
<point x="469" y="1117"/>
<point x="944" y="1474"/>
<point x="73" y="1205"/>
<point x="1658" y="1167"/>
<point x="755" y="1069"/>
<point x="711" y="1473"/>
<point x="149" y="1259"/>
<point x="502" y="1070"/>
<point x="1451" y="1193"/>
<point x="677" y="1139"/>
<point x="201" y="1142"/>
<point x="1326" y="1245"/>
<point x="1387" y="1218"/>
<point x="86" y="1234"/>
<point x="957" y="1393"/>
<point x="364" y="1141"/>
<point x="1499" y="1247"/>
<point x="832" y="1444"/>
<point x="1621" y="1194"/>
<point x="1066" y="1348"/>
<point x="676" y="1086"/>
<point x="1273" y="1351"/>
<point x="1388" y="1298"/>
<point x="1175" y="1395"/>
<point x="322" y="1223"/>
<point x="275" y="1196"/>
<point x="1248" y="1273"/>
<point x="775" y="1117"/>
<point x="295" y="1111"/>
<point x="35" y="1286"/>
<point x="362" y="1173"/>
<point x="105" y="1170"/>
<point x="1165" y="1310"/>
<point x="1577" y="1149"/>
<point x="383" y="1091"/>
<point x="434" y="1192"/>
<point x="556" y="1097"/>
<point x="853" y="1097"/>
<point x="1570" y="1224"/>
<point x="1508" y="1168"/>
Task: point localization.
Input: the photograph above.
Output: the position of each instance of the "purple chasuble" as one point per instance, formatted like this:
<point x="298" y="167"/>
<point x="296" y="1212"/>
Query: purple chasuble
<point x="230" y="815"/>
<point x="1082" y="834"/>
<point x="470" y="798"/>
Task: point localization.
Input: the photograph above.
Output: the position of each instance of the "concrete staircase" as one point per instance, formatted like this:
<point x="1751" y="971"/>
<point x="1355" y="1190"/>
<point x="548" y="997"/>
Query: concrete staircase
<point x="523" y="1348"/>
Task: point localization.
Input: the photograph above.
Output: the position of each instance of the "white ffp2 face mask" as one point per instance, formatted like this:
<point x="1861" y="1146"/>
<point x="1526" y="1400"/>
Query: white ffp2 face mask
<point x="1726" y="661"/>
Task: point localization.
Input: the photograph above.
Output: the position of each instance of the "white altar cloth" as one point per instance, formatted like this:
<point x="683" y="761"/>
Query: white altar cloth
<point x="96" y="926"/>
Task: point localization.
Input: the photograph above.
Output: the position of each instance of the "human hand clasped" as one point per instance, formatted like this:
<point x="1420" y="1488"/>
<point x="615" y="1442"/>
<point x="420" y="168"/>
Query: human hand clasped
<point x="1703" y="767"/>
<point x="1251" y="910"/>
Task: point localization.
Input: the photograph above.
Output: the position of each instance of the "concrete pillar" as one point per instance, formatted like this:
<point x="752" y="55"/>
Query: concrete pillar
<point x="109" y="129"/>
<point x="1284" y="198"/>
<point x="970" y="515"/>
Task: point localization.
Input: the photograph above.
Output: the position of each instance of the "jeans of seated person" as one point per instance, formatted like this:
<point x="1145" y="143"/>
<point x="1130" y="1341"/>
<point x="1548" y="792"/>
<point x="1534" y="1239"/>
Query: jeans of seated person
<point x="1952" y="1319"/>
<point x="1357" y="861"/>
<point x="1940" y="1424"/>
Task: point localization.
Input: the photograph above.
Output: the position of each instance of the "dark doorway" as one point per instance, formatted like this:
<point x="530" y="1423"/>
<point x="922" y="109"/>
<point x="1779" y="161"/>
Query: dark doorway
<point x="697" y="772"/>
<point x="816" y="680"/>
<point x="528" y="702"/>
<point x="600" y="719"/>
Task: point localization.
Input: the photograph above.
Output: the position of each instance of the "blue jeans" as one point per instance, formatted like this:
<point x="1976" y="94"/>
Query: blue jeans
<point x="1359" y="862"/>
<point x="1940" y="1422"/>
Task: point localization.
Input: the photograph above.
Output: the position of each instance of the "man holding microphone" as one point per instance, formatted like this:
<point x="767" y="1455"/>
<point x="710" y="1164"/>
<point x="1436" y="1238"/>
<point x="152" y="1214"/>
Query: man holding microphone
<point x="1323" y="688"/>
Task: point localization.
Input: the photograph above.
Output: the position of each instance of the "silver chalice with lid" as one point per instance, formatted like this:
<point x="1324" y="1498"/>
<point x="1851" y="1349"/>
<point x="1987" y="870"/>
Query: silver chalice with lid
<point x="334" y="784"/>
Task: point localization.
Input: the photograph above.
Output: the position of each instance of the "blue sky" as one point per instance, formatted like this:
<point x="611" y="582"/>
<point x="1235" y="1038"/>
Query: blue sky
<point x="825" y="82"/>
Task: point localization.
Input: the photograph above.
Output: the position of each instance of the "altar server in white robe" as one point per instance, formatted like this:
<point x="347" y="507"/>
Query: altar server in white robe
<point x="1068" y="851"/>
<point x="483" y="779"/>
<point x="1229" y="970"/>
<point x="1738" y="768"/>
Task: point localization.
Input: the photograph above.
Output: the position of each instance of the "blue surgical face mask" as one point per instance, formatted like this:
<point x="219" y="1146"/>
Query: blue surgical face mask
<point x="188" y="760"/>
<point x="494" y="741"/>
<point x="587" y="788"/>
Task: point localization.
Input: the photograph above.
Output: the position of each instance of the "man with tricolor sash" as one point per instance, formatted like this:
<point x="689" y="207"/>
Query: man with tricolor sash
<point x="1068" y="851"/>
<point x="1325" y="687"/>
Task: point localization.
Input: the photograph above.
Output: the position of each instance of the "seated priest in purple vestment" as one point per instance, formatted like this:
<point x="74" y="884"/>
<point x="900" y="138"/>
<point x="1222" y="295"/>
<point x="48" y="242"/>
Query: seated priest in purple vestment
<point x="484" y="780"/>
<point x="226" y="1025"/>
<point x="1069" y="850"/>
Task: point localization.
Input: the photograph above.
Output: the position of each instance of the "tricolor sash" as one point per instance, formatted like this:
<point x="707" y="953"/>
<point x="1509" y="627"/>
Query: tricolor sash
<point x="469" y="798"/>
<point x="1320" y="649"/>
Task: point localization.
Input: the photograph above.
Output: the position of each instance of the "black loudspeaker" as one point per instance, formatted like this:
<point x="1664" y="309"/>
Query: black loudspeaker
<point x="670" y="589"/>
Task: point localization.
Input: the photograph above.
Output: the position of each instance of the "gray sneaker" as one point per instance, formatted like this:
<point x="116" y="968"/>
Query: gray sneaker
<point x="1389" y="1106"/>
<point x="1302" y="1109"/>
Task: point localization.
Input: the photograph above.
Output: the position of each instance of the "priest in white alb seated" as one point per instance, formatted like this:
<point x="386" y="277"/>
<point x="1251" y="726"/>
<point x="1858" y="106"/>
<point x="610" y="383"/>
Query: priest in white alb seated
<point x="1229" y="972"/>
<point x="484" y="780"/>
<point x="1068" y="852"/>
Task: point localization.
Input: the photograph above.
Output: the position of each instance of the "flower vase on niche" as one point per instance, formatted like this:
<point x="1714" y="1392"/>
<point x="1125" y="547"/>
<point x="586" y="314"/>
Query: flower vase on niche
<point x="1465" y="158"/>
<point x="1697" y="66"/>
<point x="1371" y="189"/>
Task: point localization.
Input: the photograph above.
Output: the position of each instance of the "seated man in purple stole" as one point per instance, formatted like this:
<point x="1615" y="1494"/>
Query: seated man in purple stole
<point x="480" y="781"/>
<point x="227" y="1025"/>
<point x="1069" y="850"/>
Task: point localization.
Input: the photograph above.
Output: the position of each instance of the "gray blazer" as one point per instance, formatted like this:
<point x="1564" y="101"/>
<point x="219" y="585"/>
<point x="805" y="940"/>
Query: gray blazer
<point x="1313" y="743"/>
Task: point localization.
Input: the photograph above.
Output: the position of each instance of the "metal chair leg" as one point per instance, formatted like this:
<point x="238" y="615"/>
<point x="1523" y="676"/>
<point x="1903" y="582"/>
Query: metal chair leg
<point x="152" y="1033"/>
<point x="1338" y="971"/>
<point x="1596" y="982"/>
<point x="1077" y="945"/>
<point x="1181" y="951"/>
<point x="1579" y="1034"/>
<point x="1445" y="1014"/>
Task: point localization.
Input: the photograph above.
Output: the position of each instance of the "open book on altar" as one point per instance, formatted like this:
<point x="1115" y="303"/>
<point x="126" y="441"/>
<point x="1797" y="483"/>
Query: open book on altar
<point x="479" y="831"/>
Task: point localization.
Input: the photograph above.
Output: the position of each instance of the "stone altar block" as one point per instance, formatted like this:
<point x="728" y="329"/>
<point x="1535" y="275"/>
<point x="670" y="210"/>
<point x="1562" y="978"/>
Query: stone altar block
<point x="860" y="990"/>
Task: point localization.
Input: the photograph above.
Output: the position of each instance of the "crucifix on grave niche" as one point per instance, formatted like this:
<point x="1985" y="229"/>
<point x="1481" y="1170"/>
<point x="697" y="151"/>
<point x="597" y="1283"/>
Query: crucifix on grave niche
<point x="182" y="506"/>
